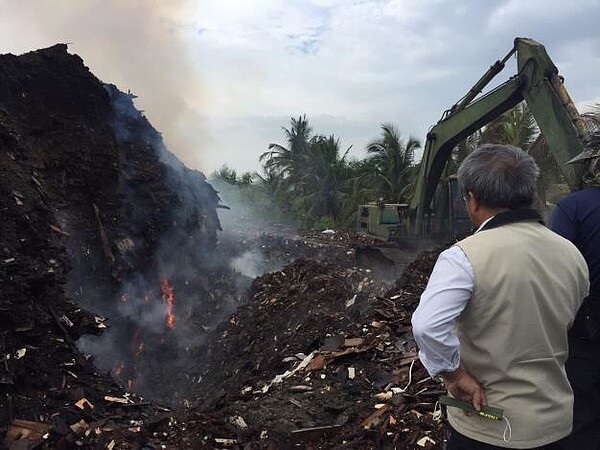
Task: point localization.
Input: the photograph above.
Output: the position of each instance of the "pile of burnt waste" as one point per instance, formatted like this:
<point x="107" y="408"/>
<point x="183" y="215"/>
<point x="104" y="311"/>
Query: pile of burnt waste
<point x="127" y="319"/>
<point x="96" y="216"/>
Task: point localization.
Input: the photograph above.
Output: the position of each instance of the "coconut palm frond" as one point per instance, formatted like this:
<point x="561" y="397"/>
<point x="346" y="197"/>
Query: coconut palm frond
<point x="391" y="160"/>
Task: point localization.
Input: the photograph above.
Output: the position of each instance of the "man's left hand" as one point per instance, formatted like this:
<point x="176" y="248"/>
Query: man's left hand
<point x="464" y="386"/>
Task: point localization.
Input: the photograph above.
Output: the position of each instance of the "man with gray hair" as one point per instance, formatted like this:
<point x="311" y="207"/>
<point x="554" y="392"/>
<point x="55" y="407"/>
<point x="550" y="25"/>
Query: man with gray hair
<point x="493" y="319"/>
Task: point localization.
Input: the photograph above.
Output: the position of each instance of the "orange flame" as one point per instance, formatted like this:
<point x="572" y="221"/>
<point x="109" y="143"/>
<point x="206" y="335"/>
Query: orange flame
<point x="169" y="299"/>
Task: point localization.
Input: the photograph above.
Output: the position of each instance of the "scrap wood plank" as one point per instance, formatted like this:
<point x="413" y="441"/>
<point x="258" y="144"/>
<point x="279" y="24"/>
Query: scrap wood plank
<point x="351" y="350"/>
<point x="84" y="403"/>
<point x="353" y="342"/>
<point x="110" y="398"/>
<point x="319" y="362"/>
<point x="58" y="230"/>
<point x="19" y="429"/>
<point x="376" y="418"/>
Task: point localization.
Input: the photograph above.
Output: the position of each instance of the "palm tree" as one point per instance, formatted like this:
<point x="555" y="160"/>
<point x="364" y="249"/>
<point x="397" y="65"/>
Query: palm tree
<point x="592" y="118"/>
<point x="226" y="174"/>
<point x="392" y="164"/>
<point x="286" y="162"/>
<point x="230" y="176"/>
<point x="515" y="127"/>
<point x="357" y="190"/>
<point x="324" y="176"/>
<point x="463" y="148"/>
<point x="550" y="173"/>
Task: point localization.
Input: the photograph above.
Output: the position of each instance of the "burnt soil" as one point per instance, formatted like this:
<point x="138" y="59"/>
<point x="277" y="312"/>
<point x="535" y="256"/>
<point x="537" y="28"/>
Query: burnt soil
<point x="130" y="317"/>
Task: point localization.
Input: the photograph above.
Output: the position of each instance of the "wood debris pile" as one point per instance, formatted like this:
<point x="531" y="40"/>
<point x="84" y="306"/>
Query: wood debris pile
<point x="321" y="355"/>
<point x="104" y="231"/>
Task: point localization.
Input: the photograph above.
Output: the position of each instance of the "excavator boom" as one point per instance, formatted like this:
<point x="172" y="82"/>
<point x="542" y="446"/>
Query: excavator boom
<point x="537" y="83"/>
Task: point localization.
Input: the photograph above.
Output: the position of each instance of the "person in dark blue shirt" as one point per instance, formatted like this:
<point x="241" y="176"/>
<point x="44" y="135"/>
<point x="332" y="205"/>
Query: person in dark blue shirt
<point x="577" y="218"/>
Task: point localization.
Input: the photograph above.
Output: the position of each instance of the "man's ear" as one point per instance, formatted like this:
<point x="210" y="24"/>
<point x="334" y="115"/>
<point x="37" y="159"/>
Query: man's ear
<point x="475" y="205"/>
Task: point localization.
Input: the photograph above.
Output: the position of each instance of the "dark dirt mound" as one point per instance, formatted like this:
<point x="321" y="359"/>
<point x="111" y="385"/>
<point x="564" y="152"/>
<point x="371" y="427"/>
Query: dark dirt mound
<point x="117" y="279"/>
<point x="322" y="355"/>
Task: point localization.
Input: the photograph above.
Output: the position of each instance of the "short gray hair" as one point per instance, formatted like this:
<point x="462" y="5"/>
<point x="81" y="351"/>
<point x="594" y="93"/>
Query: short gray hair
<point x="499" y="176"/>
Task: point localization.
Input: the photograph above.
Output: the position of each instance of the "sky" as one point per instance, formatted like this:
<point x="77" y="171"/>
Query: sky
<point x="221" y="78"/>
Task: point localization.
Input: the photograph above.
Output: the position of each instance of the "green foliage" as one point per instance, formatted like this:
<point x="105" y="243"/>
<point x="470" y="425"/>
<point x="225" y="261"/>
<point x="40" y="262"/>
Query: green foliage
<point x="230" y="176"/>
<point x="249" y="192"/>
<point x="307" y="174"/>
<point x="324" y="177"/>
<point x="324" y="223"/>
<point x="315" y="184"/>
<point x="286" y="163"/>
<point x="515" y="127"/>
<point x="390" y="168"/>
<point x="226" y="174"/>
<point x="309" y="180"/>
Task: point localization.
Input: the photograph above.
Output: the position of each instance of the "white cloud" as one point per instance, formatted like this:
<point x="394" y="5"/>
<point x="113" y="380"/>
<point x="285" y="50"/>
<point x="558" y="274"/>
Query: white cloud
<point x="220" y="78"/>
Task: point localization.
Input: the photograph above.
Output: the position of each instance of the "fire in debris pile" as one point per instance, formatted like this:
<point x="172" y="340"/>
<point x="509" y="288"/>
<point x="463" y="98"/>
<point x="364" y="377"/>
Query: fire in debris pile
<point x="128" y="320"/>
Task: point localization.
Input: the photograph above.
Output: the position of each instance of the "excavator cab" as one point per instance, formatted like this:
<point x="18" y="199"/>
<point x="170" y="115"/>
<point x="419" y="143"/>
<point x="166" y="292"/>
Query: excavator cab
<point x="390" y="222"/>
<point x="447" y="217"/>
<point x="384" y="221"/>
<point x="460" y="223"/>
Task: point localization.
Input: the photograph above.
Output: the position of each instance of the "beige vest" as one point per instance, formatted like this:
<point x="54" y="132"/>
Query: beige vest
<point x="529" y="284"/>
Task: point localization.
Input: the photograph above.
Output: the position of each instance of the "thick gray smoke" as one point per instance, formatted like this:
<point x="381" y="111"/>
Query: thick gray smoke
<point x="138" y="45"/>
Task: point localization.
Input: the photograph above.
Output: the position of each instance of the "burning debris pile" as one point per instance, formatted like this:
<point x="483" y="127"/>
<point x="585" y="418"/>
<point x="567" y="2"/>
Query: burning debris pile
<point x="114" y="282"/>
<point x="95" y="214"/>
<point x="143" y="229"/>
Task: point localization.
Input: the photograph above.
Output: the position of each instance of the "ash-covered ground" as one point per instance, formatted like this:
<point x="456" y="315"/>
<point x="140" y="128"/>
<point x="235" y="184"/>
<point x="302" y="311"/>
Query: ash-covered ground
<point x="132" y="317"/>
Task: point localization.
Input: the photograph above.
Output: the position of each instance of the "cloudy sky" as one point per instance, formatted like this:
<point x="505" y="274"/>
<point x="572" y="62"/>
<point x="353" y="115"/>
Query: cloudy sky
<point x="220" y="78"/>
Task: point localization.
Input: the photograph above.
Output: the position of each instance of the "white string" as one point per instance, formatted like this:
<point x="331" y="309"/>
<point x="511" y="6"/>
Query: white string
<point x="506" y="435"/>
<point x="398" y="390"/>
<point x="507" y="431"/>
<point x="437" y="411"/>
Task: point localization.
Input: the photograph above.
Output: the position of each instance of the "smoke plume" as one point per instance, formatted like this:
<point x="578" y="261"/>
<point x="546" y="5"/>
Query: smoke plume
<point x="138" y="45"/>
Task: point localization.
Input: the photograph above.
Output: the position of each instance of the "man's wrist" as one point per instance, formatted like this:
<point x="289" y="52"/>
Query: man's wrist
<point x="450" y="376"/>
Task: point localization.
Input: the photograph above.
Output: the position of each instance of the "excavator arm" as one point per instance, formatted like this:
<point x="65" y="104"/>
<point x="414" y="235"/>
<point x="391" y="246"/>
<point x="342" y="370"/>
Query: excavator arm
<point x="538" y="83"/>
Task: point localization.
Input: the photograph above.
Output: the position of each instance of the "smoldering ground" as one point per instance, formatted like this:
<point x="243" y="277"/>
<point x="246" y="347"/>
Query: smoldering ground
<point x="169" y="282"/>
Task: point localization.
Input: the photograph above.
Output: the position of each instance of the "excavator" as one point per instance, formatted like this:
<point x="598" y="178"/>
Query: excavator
<point x="436" y="210"/>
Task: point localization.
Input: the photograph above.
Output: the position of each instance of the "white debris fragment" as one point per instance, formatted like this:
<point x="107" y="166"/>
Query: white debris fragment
<point x="384" y="395"/>
<point x="64" y="319"/>
<point x="239" y="422"/>
<point x="350" y="302"/>
<point x="424" y="441"/>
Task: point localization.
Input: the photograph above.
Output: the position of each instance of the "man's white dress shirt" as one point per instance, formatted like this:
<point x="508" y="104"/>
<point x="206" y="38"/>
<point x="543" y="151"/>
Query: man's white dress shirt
<point x="449" y="289"/>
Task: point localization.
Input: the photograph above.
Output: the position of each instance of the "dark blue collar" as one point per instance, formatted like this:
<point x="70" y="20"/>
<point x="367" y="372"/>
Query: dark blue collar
<point x="512" y="216"/>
